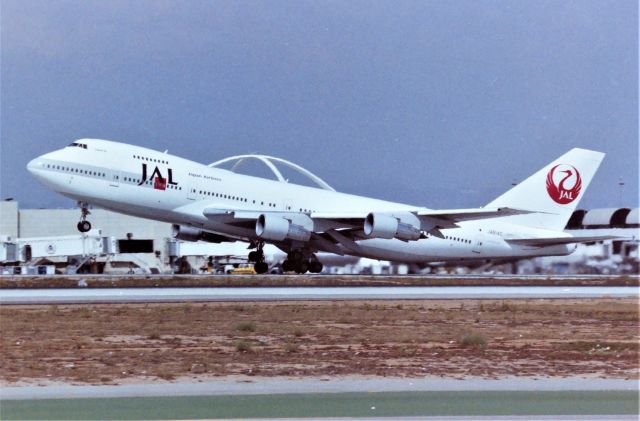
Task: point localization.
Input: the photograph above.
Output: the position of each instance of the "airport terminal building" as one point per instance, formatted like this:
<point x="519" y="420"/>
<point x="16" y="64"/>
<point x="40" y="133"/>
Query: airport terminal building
<point x="117" y="242"/>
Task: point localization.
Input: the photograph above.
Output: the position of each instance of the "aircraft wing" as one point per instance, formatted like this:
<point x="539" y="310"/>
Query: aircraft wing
<point x="431" y="221"/>
<point x="323" y="221"/>
<point x="235" y="217"/>
<point x="338" y="232"/>
<point x="443" y="218"/>
<point x="449" y="217"/>
<point x="554" y="241"/>
<point x="331" y="229"/>
<point x="318" y="239"/>
<point x="230" y="214"/>
<point x="350" y="223"/>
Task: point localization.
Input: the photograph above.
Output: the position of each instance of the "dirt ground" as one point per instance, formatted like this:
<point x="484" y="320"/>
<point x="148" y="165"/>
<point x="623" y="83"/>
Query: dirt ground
<point x="114" y="343"/>
<point x="230" y="281"/>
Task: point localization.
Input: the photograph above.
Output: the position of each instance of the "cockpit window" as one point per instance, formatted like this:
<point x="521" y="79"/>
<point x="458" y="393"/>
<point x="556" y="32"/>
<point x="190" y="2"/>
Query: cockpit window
<point x="79" y="145"/>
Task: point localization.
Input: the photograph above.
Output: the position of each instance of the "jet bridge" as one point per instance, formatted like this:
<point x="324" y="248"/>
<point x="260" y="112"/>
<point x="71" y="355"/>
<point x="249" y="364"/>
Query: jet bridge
<point x="74" y="251"/>
<point x="25" y="252"/>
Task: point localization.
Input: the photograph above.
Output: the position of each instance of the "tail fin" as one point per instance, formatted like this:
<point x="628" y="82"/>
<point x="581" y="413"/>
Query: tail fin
<point x="554" y="191"/>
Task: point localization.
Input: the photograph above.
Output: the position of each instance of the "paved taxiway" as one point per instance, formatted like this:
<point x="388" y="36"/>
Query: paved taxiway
<point x="530" y="404"/>
<point x="353" y="396"/>
<point x="127" y="295"/>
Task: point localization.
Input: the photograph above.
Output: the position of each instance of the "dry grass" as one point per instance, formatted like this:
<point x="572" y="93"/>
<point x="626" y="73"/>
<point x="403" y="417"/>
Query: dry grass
<point x="107" y="343"/>
<point x="243" y="346"/>
<point x="473" y="340"/>
<point x="291" y="347"/>
<point x="181" y="281"/>
<point x="246" y="327"/>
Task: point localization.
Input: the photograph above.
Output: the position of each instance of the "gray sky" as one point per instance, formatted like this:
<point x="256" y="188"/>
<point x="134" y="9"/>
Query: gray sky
<point x="436" y="103"/>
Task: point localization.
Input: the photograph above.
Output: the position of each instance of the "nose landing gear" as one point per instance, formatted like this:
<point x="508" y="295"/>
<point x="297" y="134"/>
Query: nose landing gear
<point x="84" y="225"/>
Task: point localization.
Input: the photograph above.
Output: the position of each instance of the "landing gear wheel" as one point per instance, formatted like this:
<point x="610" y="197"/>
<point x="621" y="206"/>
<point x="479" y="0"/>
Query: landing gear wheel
<point x="287" y="266"/>
<point x="315" y="266"/>
<point x="261" y="267"/>
<point x="84" y="226"/>
<point x="301" y="267"/>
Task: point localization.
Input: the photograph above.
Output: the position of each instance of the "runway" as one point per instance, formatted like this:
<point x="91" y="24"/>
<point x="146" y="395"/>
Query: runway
<point x="132" y="295"/>
<point x="252" y="385"/>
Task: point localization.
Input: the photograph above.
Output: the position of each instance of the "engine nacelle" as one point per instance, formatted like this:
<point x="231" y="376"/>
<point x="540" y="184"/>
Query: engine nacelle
<point x="379" y="225"/>
<point x="278" y="228"/>
<point x="186" y="233"/>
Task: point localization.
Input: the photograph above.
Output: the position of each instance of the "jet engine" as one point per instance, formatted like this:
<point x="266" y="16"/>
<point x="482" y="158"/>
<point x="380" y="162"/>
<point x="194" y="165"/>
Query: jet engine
<point x="185" y="233"/>
<point x="379" y="225"/>
<point x="279" y="228"/>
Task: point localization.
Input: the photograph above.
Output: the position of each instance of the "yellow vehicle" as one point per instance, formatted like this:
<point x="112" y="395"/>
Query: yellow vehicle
<point x="242" y="270"/>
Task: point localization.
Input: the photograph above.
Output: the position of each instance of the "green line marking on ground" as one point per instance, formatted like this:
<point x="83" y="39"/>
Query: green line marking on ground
<point x="378" y="404"/>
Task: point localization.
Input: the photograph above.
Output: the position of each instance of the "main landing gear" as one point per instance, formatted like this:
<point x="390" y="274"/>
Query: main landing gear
<point x="257" y="256"/>
<point x="297" y="262"/>
<point x="84" y="225"/>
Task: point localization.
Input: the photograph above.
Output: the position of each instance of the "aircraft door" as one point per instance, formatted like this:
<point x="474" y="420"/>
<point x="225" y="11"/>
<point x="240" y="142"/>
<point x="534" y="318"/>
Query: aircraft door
<point x="477" y="243"/>
<point x="115" y="178"/>
<point x="191" y="193"/>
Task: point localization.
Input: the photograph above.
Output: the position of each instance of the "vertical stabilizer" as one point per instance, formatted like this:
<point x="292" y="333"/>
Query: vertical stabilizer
<point x="555" y="190"/>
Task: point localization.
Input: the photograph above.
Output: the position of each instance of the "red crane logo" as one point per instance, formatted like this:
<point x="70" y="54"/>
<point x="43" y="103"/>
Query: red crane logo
<point x="559" y="191"/>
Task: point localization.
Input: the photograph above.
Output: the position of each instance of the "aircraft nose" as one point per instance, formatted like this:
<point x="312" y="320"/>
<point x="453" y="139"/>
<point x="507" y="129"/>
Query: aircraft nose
<point x="33" y="165"/>
<point x="36" y="166"/>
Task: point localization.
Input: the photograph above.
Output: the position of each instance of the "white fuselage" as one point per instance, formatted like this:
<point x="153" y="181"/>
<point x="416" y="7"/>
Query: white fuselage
<point x="109" y="174"/>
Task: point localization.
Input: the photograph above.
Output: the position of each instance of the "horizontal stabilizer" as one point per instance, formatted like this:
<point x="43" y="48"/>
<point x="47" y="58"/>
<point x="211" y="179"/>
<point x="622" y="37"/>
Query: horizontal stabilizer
<point x="554" y="241"/>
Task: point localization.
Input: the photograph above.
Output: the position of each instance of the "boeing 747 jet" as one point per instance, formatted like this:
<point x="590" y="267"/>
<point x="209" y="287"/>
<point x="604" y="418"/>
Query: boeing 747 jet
<point x="209" y="203"/>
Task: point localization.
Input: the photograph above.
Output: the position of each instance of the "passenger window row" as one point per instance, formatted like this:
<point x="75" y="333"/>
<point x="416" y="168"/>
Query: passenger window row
<point x="145" y="158"/>
<point x="149" y="182"/>
<point x="223" y="196"/>
<point x="462" y="240"/>
<point x="75" y="170"/>
<point x="230" y="197"/>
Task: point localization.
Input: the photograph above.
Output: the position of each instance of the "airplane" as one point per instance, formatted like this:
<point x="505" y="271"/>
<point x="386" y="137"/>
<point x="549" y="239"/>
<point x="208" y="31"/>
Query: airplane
<point x="209" y="203"/>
